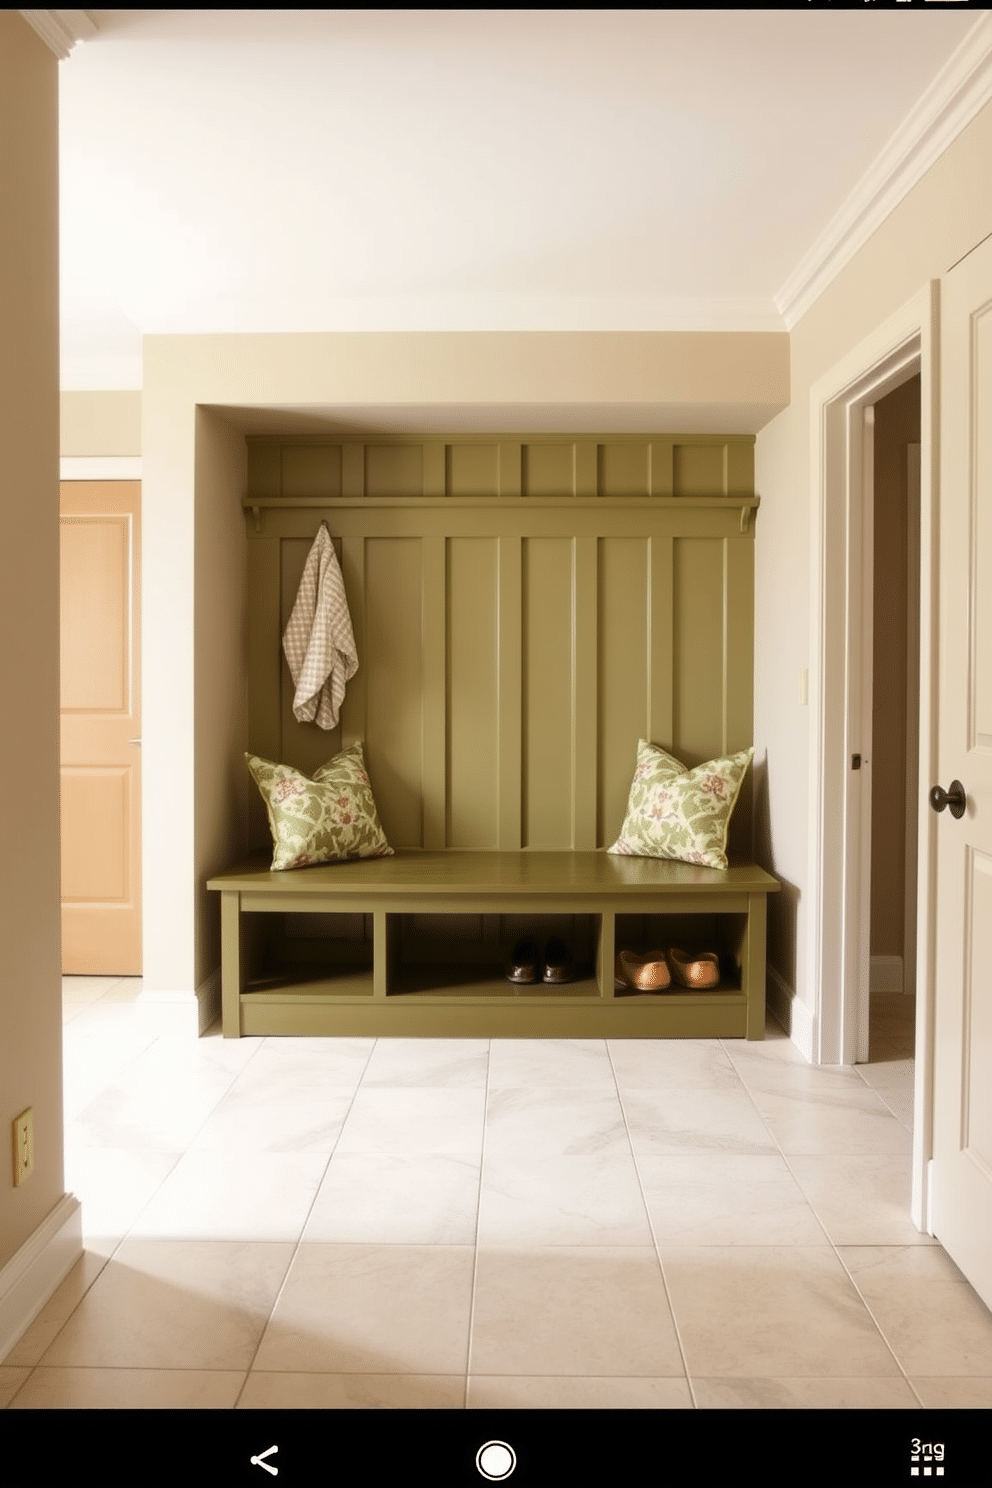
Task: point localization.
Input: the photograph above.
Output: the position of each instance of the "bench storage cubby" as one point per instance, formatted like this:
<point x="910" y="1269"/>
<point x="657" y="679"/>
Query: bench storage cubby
<point x="449" y="982"/>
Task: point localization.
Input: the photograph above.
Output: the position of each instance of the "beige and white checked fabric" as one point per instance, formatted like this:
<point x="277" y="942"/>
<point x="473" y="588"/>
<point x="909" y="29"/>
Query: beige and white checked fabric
<point x="319" y="642"/>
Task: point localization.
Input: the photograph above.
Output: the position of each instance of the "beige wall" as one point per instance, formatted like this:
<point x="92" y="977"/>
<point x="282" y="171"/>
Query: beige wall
<point x="192" y="576"/>
<point x="897" y="426"/>
<point x="100" y="423"/>
<point x="935" y="225"/>
<point x="221" y="689"/>
<point x="30" y="987"/>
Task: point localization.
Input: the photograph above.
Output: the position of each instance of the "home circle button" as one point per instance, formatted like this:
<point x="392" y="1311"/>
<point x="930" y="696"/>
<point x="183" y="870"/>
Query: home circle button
<point x="496" y="1460"/>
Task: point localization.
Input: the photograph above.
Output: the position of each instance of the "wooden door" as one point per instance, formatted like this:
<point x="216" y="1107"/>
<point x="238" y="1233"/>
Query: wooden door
<point x="101" y="728"/>
<point x="961" y="1207"/>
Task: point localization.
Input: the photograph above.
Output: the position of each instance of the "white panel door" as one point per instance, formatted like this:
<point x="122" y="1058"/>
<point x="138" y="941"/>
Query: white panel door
<point x="961" y="1202"/>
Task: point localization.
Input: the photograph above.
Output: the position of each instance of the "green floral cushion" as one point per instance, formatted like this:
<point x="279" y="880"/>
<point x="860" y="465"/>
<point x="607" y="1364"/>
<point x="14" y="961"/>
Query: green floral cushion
<point x="673" y="812"/>
<point x="322" y="820"/>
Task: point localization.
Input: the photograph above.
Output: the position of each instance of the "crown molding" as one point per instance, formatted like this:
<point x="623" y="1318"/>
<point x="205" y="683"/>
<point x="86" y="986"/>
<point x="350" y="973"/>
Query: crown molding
<point x="61" y="29"/>
<point x="960" y="90"/>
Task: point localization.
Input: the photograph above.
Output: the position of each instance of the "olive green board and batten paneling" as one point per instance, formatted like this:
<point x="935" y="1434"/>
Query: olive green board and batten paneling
<point x="514" y="644"/>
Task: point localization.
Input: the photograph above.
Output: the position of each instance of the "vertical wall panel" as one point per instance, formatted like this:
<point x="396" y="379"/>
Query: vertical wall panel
<point x="698" y="469"/>
<point x="698" y="649"/>
<point x="661" y="620"/>
<point x="435" y="701"/>
<point x="311" y="470"/>
<point x="510" y="468"/>
<point x="265" y="664"/>
<point x="353" y="709"/>
<point x="547" y="692"/>
<point x="472" y="470"/>
<point x="509" y="701"/>
<point x="394" y="684"/>
<point x="394" y="470"/>
<point x="511" y="658"/>
<point x="739" y="679"/>
<point x="624" y="655"/>
<point x="662" y="479"/>
<point x="585" y="692"/>
<point x="548" y="469"/>
<point x="623" y="469"/>
<point x="473" y="725"/>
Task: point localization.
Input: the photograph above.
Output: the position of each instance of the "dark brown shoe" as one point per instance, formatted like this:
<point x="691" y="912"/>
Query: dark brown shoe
<point x="558" y="966"/>
<point x="523" y="963"/>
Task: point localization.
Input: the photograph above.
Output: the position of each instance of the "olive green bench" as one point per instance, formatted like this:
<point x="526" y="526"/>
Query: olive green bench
<point x="419" y="976"/>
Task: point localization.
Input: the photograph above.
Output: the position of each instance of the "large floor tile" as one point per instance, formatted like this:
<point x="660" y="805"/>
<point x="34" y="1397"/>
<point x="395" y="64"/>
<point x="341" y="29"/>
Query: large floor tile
<point x="897" y="1070"/>
<point x="656" y="1064"/>
<point x="432" y="1062"/>
<point x="589" y="1200"/>
<point x="579" y="1063"/>
<point x="11" y="1380"/>
<point x="372" y="1309"/>
<point x="804" y="1394"/>
<point x="445" y="1122"/>
<point x="335" y="1064"/>
<point x="396" y="1199"/>
<point x="130" y="1389"/>
<point x="234" y="1196"/>
<point x="954" y="1393"/>
<point x="586" y="1311"/>
<point x="158" y="1304"/>
<point x="934" y="1322"/>
<point x="851" y="1123"/>
<point x="861" y="1200"/>
<point x="559" y="1121"/>
<point x="771" y="1312"/>
<point x="282" y="1118"/>
<point x="572" y="1392"/>
<point x="726" y="1200"/>
<point x="674" y="1122"/>
<point x="146" y="1108"/>
<point x="269" y="1391"/>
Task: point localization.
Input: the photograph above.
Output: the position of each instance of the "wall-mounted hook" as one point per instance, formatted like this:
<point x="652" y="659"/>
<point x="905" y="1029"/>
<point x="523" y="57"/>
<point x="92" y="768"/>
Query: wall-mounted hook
<point x="745" y="517"/>
<point x="256" y="512"/>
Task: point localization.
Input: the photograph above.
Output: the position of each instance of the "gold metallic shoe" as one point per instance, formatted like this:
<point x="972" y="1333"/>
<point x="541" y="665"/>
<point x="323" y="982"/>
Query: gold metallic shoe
<point x="647" y="973"/>
<point x="699" y="972"/>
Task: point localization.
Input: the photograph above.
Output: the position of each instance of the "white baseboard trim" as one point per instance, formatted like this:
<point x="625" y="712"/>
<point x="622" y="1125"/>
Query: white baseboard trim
<point x="100" y="467"/>
<point x="178" y="1012"/>
<point x="32" y="1274"/>
<point x="885" y="974"/>
<point x="787" y="1010"/>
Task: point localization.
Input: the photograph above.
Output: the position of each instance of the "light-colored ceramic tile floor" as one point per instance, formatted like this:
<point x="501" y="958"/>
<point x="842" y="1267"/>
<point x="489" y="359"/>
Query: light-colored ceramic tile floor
<point x="352" y="1223"/>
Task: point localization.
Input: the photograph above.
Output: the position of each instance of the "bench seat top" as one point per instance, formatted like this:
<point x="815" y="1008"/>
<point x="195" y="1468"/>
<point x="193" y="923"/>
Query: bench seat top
<point x="451" y="873"/>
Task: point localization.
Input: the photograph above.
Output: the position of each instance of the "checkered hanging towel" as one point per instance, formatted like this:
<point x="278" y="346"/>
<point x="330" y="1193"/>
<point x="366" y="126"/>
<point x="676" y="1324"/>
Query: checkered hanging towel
<point x="319" y="642"/>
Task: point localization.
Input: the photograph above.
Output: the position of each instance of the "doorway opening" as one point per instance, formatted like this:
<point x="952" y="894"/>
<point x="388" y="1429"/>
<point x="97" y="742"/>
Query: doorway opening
<point x="838" y="950"/>
<point x="893" y="760"/>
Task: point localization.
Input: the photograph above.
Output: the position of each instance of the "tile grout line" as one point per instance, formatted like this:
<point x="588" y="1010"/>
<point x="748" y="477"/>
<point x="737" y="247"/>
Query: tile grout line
<point x="833" y="1244"/>
<point x="299" y="1240"/>
<point x="478" y="1224"/>
<point x="654" y="1239"/>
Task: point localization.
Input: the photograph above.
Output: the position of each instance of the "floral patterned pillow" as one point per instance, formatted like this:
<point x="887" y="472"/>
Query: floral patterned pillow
<point x="322" y="820"/>
<point x="673" y="812"/>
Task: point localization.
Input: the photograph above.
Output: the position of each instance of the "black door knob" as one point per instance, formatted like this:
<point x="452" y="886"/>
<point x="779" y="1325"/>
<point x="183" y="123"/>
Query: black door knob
<point x="955" y="798"/>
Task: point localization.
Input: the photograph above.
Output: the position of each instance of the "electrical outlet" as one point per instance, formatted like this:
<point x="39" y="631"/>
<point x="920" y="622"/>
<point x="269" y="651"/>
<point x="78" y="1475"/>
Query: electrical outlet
<point x="23" y="1146"/>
